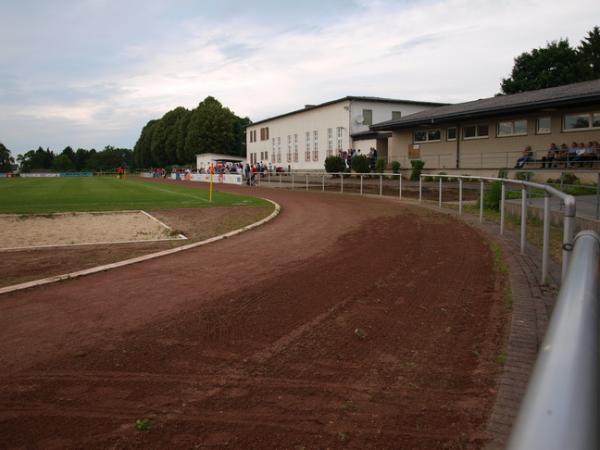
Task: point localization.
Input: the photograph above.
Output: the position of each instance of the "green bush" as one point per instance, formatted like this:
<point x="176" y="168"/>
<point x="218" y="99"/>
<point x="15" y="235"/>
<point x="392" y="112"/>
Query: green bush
<point x="380" y="165"/>
<point x="503" y="173"/>
<point x="360" y="164"/>
<point x="524" y="176"/>
<point x="417" y="169"/>
<point x="334" y="164"/>
<point x="569" y="178"/>
<point x="491" y="198"/>
<point x="395" y="167"/>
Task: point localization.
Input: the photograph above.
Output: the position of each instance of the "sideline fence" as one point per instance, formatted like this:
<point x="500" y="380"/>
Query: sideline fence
<point x="560" y="408"/>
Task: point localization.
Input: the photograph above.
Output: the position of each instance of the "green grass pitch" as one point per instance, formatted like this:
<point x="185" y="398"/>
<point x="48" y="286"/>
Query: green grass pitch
<point x="48" y="195"/>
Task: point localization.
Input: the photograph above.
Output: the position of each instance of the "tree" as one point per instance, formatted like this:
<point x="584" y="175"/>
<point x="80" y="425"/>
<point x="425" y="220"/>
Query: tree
<point x="589" y="51"/>
<point x="141" y="150"/>
<point x="556" y="64"/>
<point x="62" y="163"/>
<point x="81" y="158"/>
<point x="6" y="160"/>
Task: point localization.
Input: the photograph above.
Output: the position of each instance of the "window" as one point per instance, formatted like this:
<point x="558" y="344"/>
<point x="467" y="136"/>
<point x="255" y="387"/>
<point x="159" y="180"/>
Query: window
<point x="339" y="144"/>
<point x="295" y="148"/>
<point x="475" y="131"/>
<point x="266" y="156"/>
<point x="512" y="128"/>
<point x="316" y="135"/>
<point x="262" y="155"/>
<point x="543" y="125"/>
<point x="329" y="141"/>
<point x="264" y="134"/>
<point x="307" y="150"/>
<point x="427" y="135"/>
<point x="367" y="116"/>
<point x="451" y="134"/>
<point x="278" y="149"/>
<point x="289" y="148"/>
<point x="581" y="121"/>
<point x="396" y="115"/>
<point x="339" y="132"/>
<point x="253" y="136"/>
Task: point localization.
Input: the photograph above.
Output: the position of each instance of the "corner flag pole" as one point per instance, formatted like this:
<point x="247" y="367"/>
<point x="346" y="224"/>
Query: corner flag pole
<point x="212" y="169"/>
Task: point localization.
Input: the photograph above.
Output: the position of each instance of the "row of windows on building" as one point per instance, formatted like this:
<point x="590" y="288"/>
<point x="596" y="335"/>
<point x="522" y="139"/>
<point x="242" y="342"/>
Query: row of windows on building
<point x="311" y="147"/>
<point x="570" y="122"/>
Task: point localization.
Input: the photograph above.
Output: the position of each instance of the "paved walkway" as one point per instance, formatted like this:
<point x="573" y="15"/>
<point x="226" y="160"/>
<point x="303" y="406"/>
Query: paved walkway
<point x="586" y="205"/>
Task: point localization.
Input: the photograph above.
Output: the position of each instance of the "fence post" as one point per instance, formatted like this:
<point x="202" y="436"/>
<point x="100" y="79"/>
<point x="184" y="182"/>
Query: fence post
<point x="269" y="178"/>
<point x="523" y="217"/>
<point x="546" y="239"/>
<point x="323" y="183"/>
<point x="280" y="178"/>
<point x="342" y="183"/>
<point x="502" y="195"/>
<point x="460" y="196"/>
<point x="293" y="182"/>
<point x="380" y="185"/>
<point x="306" y="181"/>
<point x="400" y="186"/>
<point x="420" y="187"/>
<point x="567" y="240"/>
<point x="440" y="194"/>
<point x="598" y="197"/>
<point x="361" y="184"/>
<point x="481" y="191"/>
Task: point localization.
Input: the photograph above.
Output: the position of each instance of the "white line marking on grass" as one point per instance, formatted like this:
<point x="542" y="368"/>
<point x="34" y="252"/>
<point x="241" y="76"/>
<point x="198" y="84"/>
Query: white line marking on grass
<point x="170" y="192"/>
<point x="56" y="278"/>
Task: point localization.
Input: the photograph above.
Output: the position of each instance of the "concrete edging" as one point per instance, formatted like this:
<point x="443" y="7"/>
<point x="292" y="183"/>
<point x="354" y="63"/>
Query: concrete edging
<point x="104" y="267"/>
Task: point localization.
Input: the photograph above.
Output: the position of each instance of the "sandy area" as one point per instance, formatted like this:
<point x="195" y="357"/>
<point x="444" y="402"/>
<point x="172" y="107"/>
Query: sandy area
<point x="24" y="231"/>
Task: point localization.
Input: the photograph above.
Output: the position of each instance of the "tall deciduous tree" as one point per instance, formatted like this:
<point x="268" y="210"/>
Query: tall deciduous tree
<point x="554" y="65"/>
<point x="6" y="160"/>
<point x="589" y="51"/>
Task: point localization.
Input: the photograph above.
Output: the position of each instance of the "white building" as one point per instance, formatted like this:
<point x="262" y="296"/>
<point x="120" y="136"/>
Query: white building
<point x="302" y="139"/>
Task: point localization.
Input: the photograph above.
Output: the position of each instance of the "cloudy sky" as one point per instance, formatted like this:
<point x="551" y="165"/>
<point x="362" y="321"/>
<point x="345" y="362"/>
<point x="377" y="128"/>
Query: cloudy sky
<point x="90" y="73"/>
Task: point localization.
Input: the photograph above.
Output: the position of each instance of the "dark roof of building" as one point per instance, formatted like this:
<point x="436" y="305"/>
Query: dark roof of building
<point x="351" y="98"/>
<point x="370" y="134"/>
<point x="576" y="94"/>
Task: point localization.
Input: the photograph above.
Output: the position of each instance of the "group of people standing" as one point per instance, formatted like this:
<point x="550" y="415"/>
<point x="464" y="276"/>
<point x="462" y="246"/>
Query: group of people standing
<point x="349" y="155"/>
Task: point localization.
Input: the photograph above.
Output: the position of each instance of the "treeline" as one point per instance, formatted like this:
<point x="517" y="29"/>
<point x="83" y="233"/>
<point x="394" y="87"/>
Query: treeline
<point x="70" y="160"/>
<point x="181" y="134"/>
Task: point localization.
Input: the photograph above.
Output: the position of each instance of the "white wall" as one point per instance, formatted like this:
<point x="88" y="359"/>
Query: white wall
<point x="381" y="112"/>
<point x="318" y="119"/>
<point x="341" y="114"/>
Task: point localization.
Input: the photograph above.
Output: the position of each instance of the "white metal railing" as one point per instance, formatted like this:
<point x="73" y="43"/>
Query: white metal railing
<point x="309" y="180"/>
<point x="376" y="182"/>
<point x="560" y="408"/>
<point x="569" y="210"/>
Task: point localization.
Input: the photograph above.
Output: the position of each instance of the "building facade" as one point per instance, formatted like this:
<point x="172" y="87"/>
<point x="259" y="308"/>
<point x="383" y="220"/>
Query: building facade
<point x="302" y="139"/>
<point x="492" y="133"/>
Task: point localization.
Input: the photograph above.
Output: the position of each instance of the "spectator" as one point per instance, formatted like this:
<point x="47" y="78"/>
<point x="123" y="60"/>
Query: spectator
<point x="547" y="161"/>
<point x="527" y="156"/>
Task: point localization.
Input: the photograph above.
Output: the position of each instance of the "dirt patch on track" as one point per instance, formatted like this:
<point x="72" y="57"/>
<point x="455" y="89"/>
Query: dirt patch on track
<point x="196" y="224"/>
<point x="385" y="336"/>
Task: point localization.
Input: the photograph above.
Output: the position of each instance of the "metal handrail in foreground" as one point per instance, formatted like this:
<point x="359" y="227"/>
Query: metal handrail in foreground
<point x="560" y="409"/>
<point x="569" y="212"/>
